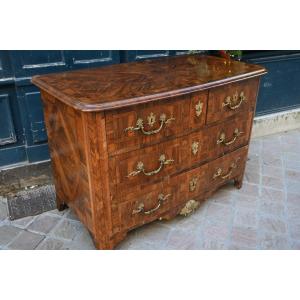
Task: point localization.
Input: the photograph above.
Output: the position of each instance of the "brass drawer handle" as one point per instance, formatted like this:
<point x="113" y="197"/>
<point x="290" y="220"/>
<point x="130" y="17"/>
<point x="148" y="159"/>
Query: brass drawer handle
<point x="140" y="167"/>
<point x="141" y="207"/>
<point x="151" y="121"/>
<point x="220" y="171"/>
<point x="222" y="138"/>
<point x="232" y="102"/>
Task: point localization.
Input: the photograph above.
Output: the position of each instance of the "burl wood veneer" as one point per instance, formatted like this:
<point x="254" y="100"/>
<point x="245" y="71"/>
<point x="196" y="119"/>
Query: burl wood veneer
<point x="136" y="142"/>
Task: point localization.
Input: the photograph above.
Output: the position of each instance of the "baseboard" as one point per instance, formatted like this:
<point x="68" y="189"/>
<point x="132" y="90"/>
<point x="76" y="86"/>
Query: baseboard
<point x="277" y="122"/>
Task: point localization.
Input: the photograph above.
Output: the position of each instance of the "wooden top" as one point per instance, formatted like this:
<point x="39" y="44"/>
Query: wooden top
<point x="122" y="85"/>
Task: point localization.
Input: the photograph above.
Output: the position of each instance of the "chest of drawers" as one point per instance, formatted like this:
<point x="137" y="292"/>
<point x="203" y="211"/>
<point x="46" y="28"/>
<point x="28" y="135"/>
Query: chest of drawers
<point x="136" y="142"/>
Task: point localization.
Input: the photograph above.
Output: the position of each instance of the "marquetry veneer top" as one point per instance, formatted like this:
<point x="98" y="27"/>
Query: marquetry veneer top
<point x="121" y="85"/>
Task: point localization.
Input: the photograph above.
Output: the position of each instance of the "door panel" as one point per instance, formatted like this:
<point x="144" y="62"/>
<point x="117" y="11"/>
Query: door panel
<point x="7" y="130"/>
<point x="29" y="63"/>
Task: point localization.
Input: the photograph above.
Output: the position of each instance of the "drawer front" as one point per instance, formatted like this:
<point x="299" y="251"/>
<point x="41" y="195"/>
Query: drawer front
<point x="230" y="135"/>
<point x="133" y="128"/>
<point x="227" y="167"/>
<point x="144" y="207"/>
<point x="153" y="201"/>
<point x="228" y="100"/>
<point x="133" y="171"/>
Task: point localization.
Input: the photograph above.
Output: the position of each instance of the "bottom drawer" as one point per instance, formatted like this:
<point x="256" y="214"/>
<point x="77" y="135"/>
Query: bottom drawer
<point x="146" y="206"/>
<point x="157" y="199"/>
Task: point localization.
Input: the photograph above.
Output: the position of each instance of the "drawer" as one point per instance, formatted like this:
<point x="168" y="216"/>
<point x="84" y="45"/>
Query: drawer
<point x="148" y="124"/>
<point x="130" y="172"/>
<point x="133" y="171"/>
<point x="228" y="100"/>
<point x="230" y="135"/>
<point x="144" y="207"/>
<point x="226" y="168"/>
<point x="153" y="201"/>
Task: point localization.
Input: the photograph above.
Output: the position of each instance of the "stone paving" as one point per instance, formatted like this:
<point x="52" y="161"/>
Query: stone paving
<point x="264" y="214"/>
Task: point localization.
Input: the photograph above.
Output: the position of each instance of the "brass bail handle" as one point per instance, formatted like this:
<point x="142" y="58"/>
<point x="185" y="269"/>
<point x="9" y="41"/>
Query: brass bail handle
<point x="222" y="138"/>
<point x="151" y="121"/>
<point x="219" y="172"/>
<point x="141" y="169"/>
<point x="141" y="207"/>
<point x="231" y="102"/>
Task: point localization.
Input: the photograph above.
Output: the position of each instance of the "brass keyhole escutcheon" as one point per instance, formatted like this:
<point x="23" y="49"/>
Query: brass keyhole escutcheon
<point x="199" y="107"/>
<point x="195" y="147"/>
<point x="151" y="119"/>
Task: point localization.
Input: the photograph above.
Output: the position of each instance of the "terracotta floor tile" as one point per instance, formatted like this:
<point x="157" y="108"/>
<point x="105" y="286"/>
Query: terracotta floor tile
<point x="272" y="224"/>
<point x="270" y="241"/>
<point x="293" y="199"/>
<point x="245" y="217"/>
<point x="273" y="182"/>
<point x="244" y="236"/>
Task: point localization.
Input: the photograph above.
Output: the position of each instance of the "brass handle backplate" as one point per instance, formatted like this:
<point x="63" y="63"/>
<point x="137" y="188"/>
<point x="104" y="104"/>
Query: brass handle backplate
<point x="198" y="108"/>
<point x="151" y="121"/>
<point x="222" y="138"/>
<point x="235" y="101"/>
<point x="141" y="207"/>
<point x="141" y="169"/>
<point x="193" y="184"/>
<point x="195" y="147"/>
<point x="219" y="172"/>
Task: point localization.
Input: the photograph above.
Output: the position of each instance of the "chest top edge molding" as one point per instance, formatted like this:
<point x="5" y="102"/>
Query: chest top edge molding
<point x="123" y="85"/>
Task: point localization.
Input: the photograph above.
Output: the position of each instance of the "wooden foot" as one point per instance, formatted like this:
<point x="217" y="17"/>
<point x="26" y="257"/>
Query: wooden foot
<point x="61" y="206"/>
<point x="109" y="243"/>
<point x="238" y="183"/>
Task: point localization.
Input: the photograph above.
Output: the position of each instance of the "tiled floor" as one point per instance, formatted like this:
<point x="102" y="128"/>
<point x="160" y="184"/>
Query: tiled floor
<point x="264" y="214"/>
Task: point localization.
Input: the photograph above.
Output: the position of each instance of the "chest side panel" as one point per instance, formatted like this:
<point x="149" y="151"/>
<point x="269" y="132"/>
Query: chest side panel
<point x="68" y="157"/>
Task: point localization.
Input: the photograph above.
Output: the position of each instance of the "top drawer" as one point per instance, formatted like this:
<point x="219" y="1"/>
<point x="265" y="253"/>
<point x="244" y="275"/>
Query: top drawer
<point x="228" y="100"/>
<point x="146" y="124"/>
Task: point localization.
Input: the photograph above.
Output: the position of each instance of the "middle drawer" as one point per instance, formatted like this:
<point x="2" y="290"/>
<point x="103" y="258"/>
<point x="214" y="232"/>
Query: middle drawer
<point x="131" y="172"/>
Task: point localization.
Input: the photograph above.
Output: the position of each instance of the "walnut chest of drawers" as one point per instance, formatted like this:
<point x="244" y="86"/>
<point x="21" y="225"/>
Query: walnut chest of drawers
<point x="136" y="142"/>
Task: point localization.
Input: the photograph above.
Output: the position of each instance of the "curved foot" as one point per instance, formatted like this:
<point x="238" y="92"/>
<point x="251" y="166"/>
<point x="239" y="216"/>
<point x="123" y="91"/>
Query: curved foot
<point x="238" y="183"/>
<point x="61" y="206"/>
<point x="109" y="243"/>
